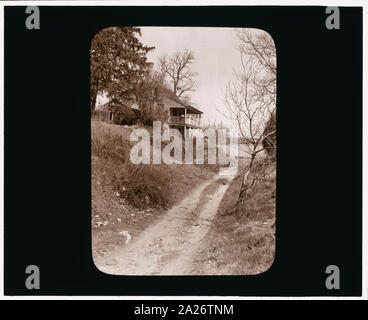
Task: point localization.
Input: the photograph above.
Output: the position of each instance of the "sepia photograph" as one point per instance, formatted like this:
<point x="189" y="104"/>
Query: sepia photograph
<point x="183" y="135"/>
<point x="183" y="152"/>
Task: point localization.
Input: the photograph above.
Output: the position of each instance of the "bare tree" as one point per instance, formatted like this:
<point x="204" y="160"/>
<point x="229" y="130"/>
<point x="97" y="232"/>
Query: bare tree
<point x="177" y="69"/>
<point x="258" y="47"/>
<point x="251" y="98"/>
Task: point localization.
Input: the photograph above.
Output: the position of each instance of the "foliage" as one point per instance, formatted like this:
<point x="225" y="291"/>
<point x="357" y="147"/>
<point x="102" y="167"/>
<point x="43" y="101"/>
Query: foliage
<point x="109" y="146"/>
<point x="250" y="234"/>
<point x="124" y="115"/>
<point x="269" y="140"/>
<point x="145" y="185"/>
<point x="118" y="63"/>
<point x="148" y="99"/>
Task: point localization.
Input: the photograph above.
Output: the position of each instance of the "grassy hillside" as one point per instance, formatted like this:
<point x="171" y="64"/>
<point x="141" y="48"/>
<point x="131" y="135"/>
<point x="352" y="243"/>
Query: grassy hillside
<point x="244" y="242"/>
<point x="129" y="197"/>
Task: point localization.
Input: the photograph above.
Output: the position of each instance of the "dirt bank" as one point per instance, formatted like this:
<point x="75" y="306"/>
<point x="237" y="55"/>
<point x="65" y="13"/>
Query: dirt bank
<point x="168" y="246"/>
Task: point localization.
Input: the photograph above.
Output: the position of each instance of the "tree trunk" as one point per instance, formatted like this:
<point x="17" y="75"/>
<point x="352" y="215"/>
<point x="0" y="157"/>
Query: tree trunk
<point x="93" y="98"/>
<point x="247" y="184"/>
<point x="175" y="87"/>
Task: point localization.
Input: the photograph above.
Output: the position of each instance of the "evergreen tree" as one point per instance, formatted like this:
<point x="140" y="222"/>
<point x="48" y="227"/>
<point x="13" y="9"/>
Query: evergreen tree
<point x="118" y="63"/>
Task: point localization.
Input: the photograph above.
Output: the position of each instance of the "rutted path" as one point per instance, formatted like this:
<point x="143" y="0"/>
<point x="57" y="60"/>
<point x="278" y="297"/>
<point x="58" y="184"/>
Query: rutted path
<point x="166" y="247"/>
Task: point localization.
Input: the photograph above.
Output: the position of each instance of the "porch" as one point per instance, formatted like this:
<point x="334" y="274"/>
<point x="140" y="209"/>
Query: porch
<point x="183" y="117"/>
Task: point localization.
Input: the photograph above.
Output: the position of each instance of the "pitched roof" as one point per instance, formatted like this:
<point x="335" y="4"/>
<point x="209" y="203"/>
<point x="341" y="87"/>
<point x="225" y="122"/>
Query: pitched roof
<point x="162" y="91"/>
<point x="171" y="95"/>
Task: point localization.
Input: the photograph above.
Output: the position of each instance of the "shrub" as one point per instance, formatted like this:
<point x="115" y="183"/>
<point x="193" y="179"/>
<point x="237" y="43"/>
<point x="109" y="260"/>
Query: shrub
<point x="144" y="185"/>
<point x="269" y="143"/>
<point x="109" y="146"/>
<point x="125" y="116"/>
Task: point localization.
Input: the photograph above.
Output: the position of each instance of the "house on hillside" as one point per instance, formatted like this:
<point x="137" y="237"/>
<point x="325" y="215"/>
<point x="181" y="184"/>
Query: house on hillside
<point x="181" y="115"/>
<point x="103" y="113"/>
<point x="110" y="111"/>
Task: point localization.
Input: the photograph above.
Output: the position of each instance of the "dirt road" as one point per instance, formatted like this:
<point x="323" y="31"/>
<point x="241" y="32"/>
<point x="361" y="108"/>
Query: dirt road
<point x="167" y="247"/>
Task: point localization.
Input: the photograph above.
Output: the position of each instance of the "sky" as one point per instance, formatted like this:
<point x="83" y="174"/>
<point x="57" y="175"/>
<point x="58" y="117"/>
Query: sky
<point x="215" y="59"/>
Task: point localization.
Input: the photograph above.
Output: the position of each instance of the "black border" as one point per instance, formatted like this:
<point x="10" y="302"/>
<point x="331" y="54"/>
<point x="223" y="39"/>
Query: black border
<point x="47" y="150"/>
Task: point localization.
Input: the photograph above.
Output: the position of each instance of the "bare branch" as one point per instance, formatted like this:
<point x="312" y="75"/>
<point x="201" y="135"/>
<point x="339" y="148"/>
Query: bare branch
<point x="251" y="97"/>
<point x="177" y="69"/>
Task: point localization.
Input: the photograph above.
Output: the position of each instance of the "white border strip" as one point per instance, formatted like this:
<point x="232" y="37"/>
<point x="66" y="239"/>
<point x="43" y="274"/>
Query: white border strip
<point x="365" y="157"/>
<point x="339" y="3"/>
<point x="2" y="152"/>
<point x="192" y="3"/>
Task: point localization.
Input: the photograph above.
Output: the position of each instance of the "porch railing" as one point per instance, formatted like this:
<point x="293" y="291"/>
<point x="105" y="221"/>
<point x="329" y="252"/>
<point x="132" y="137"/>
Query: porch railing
<point x="186" y="120"/>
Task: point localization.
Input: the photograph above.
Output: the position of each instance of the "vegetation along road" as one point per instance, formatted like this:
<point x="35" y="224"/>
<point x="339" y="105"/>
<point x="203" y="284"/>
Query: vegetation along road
<point x="168" y="246"/>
